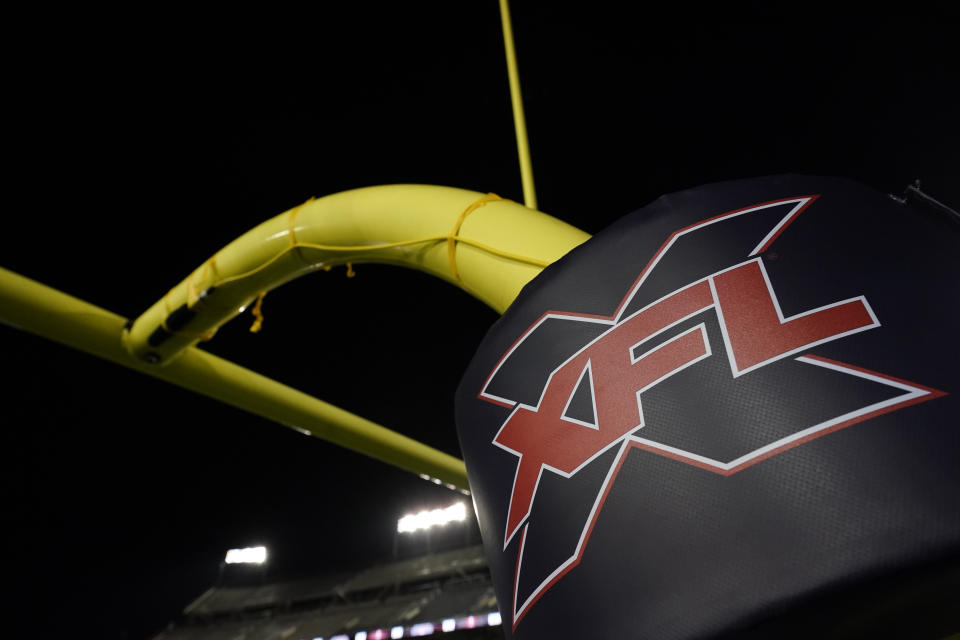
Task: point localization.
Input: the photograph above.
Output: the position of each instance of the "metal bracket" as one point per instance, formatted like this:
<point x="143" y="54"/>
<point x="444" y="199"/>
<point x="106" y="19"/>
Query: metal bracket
<point x="913" y="195"/>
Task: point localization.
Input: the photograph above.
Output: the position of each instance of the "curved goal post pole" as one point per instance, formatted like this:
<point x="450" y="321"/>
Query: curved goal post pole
<point x="488" y="249"/>
<point x="488" y="246"/>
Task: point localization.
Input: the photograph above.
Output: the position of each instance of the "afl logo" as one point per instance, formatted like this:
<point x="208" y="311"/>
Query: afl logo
<point x="657" y="360"/>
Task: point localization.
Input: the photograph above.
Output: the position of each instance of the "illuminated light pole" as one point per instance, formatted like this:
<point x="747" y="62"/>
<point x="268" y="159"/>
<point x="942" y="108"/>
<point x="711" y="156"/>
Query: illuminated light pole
<point x="436" y="518"/>
<point x="427" y="520"/>
<point x="248" y="555"/>
<point x="255" y="556"/>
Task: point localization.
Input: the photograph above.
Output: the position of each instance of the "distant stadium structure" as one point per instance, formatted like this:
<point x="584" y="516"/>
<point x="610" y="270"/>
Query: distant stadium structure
<point x="448" y="593"/>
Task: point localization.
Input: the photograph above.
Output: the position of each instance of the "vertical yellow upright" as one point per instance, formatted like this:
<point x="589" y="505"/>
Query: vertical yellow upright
<point x="519" y="122"/>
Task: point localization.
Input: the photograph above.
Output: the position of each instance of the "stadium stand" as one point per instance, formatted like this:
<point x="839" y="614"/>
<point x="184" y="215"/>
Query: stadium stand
<point x="448" y="593"/>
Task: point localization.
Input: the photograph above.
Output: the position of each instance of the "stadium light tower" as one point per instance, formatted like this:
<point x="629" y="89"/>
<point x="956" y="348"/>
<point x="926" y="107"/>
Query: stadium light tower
<point x="427" y="520"/>
<point x="436" y="518"/>
<point x="248" y="555"/>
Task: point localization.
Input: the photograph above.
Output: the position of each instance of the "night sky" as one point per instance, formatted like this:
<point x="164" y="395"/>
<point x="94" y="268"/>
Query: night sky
<point x="137" y="152"/>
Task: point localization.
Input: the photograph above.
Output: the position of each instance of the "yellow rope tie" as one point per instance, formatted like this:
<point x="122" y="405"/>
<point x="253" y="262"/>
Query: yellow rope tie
<point x="291" y="223"/>
<point x="387" y="245"/>
<point x="350" y="271"/>
<point x="193" y="290"/>
<point x="192" y="295"/>
<point x="454" y="236"/>
<point x="257" y="312"/>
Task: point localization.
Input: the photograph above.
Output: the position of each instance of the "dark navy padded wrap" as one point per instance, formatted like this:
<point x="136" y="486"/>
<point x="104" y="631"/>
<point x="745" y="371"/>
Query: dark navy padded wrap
<point x="733" y="412"/>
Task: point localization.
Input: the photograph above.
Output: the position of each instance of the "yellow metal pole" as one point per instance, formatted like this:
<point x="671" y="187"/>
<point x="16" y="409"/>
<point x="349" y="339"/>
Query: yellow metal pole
<point x="519" y="122"/>
<point x="491" y="254"/>
<point x="493" y="262"/>
<point x="40" y="309"/>
<point x="487" y="246"/>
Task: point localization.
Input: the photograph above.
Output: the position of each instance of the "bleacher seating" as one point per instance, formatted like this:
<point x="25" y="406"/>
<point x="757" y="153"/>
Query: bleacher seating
<point x="417" y="569"/>
<point x="430" y="588"/>
<point x="470" y="598"/>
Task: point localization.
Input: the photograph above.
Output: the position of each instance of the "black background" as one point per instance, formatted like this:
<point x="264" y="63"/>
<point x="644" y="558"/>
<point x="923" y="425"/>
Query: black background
<point x="138" y="144"/>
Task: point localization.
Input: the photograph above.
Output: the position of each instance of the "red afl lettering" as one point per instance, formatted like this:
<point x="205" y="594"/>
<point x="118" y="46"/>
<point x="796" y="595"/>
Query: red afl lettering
<point x="756" y="333"/>
<point x="543" y="437"/>
<point x="755" y="326"/>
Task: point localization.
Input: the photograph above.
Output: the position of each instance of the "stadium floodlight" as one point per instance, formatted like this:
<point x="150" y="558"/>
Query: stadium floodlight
<point x="249" y="555"/>
<point x="396" y="632"/>
<point x="450" y="624"/>
<point x="435" y="518"/>
<point x="493" y="619"/>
